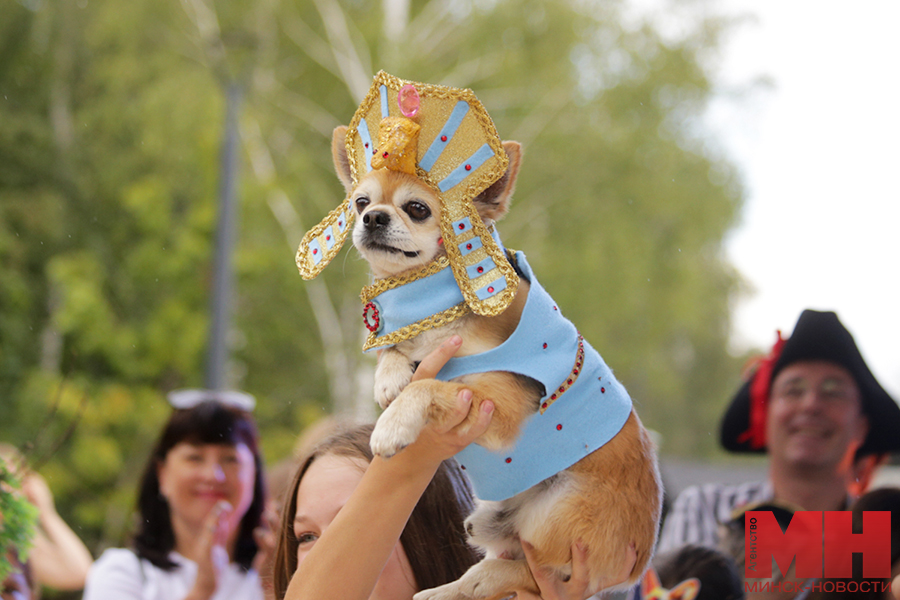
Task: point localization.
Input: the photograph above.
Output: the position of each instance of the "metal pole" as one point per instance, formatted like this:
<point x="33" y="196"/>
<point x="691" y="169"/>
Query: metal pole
<point x="217" y="352"/>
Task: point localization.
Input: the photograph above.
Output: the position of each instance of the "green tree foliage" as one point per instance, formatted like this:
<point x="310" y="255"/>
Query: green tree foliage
<point x="110" y="128"/>
<point x="17" y="519"/>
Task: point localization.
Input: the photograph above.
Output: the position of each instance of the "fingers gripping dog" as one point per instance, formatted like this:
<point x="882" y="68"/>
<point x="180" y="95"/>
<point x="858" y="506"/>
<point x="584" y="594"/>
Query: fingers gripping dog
<point x="566" y="458"/>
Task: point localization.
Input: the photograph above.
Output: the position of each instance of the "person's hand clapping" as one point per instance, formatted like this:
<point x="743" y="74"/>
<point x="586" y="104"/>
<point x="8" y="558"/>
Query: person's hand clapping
<point x="212" y="557"/>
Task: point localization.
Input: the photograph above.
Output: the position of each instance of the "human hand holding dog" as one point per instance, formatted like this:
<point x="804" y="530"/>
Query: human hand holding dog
<point x="438" y="442"/>
<point x="426" y="404"/>
<point x="392" y="485"/>
<point x="577" y="587"/>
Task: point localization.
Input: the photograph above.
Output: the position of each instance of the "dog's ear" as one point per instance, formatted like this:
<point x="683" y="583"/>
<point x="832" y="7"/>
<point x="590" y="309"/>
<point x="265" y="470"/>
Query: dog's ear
<point x="493" y="202"/>
<point x="339" y="155"/>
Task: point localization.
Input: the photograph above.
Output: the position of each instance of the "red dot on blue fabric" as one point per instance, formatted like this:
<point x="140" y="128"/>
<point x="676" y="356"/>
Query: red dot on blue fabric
<point x="508" y="460"/>
<point x="545" y="345"/>
<point x="491" y="290"/>
<point x="480" y="269"/>
<point x="602" y="390"/>
<point x="468" y="167"/>
<point x="443" y="138"/>
<point x="559" y="427"/>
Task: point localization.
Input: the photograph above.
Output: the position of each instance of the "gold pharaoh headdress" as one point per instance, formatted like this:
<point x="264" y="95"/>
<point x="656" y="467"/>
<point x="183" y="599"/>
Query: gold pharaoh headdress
<point x="445" y="137"/>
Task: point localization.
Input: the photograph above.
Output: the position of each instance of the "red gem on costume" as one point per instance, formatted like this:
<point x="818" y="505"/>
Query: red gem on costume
<point x="370" y="317"/>
<point x="443" y="138"/>
<point x="327" y="238"/>
<point x="553" y="397"/>
<point x="468" y="246"/>
<point x="463" y="467"/>
<point x="575" y="371"/>
<point x="385" y="154"/>
<point x="367" y="144"/>
<point x="559" y="427"/>
<point x="508" y="460"/>
<point x="602" y="390"/>
<point x="468" y="167"/>
<point x="554" y="308"/>
<point x="569" y="382"/>
<point x="562" y="389"/>
<point x="315" y="251"/>
<point x="545" y="345"/>
<point x="544" y="405"/>
<point x="340" y="223"/>
<point x="480" y="269"/>
<point x="491" y="290"/>
<point x="462" y="226"/>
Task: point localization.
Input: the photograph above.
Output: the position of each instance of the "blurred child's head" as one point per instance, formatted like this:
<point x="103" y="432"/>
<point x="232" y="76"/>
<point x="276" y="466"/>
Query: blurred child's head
<point x="719" y="578"/>
<point x="18" y="585"/>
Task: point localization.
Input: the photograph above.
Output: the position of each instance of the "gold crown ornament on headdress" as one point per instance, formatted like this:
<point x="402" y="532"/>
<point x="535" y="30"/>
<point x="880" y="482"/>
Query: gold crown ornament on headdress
<point x="446" y="138"/>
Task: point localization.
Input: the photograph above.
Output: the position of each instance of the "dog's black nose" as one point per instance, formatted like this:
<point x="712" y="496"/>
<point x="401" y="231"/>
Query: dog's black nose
<point x="375" y="219"/>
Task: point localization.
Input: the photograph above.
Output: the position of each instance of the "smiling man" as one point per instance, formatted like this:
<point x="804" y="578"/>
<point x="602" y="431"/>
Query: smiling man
<point x="815" y="408"/>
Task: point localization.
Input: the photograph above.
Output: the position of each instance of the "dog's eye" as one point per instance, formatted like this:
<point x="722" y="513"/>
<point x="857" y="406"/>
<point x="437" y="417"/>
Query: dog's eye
<point x="361" y="203"/>
<point x="417" y="211"/>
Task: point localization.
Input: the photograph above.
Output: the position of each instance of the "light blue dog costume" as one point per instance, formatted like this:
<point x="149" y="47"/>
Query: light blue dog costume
<point x="584" y="405"/>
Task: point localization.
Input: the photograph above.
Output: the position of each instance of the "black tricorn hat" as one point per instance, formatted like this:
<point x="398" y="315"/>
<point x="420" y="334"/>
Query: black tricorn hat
<point x="817" y="336"/>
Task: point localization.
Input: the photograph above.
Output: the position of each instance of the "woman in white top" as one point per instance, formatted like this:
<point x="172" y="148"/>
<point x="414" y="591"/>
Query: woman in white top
<point x="200" y="500"/>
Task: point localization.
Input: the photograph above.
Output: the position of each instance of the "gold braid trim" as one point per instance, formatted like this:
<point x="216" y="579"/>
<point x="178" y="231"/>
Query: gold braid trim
<point x="410" y="331"/>
<point x="388" y="283"/>
<point x="308" y="268"/>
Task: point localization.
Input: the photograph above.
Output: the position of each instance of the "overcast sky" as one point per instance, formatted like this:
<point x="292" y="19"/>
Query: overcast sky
<point x="820" y="158"/>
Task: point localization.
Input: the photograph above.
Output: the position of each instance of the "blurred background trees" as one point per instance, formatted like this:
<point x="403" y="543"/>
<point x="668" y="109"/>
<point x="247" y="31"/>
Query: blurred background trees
<point x="111" y="119"/>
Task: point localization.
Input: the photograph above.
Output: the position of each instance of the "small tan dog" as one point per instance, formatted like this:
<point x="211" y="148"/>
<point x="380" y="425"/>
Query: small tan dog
<point x="565" y="460"/>
<point x="610" y="500"/>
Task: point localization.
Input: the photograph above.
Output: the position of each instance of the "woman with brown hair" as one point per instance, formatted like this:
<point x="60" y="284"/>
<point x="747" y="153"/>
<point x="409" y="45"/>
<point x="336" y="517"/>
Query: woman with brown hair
<point x="200" y="501"/>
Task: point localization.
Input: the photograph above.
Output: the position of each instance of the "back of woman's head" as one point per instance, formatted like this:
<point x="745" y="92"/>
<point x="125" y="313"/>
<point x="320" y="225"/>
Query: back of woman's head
<point x="208" y="422"/>
<point x="881" y="499"/>
<point x="434" y="538"/>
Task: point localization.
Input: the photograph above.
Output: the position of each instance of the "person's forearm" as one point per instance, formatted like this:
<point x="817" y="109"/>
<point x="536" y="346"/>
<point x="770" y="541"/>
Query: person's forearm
<point x="59" y="557"/>
<point x="346" y="562"/>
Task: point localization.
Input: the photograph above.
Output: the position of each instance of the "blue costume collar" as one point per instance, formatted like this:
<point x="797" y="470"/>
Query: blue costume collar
<point x="583" y="407"/>
<point x="398" y="309"/>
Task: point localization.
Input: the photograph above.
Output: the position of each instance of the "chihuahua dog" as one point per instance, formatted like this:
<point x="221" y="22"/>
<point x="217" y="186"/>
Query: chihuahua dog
<point x="609" y="501"/>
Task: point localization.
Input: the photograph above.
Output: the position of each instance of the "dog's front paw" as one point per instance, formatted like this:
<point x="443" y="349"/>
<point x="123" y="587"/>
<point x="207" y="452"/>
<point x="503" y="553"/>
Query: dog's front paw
<point x="395" y="430"/>
<point x="394" y="372"/>
<point x="448" y="591"/>
<point x="388" y="386"/>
